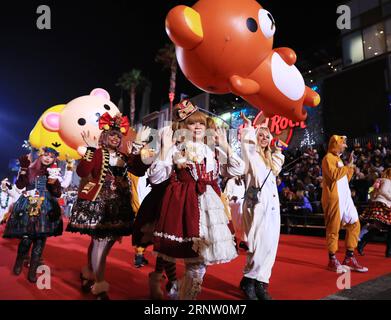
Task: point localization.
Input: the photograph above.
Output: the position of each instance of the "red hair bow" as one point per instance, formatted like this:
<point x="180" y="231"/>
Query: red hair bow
<point x="119" y="122"/>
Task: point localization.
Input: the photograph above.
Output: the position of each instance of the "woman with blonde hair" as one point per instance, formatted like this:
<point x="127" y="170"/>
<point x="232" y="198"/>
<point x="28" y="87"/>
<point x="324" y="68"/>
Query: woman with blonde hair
<point x="261" y="208"/>
<point x="192" y="223"/>
<point x="378" y="215"/>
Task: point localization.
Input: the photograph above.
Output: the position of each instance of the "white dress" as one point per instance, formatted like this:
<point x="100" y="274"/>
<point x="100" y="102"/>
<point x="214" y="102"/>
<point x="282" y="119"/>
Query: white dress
<point x="261" y="223"/>
<point x="215" y="243"/>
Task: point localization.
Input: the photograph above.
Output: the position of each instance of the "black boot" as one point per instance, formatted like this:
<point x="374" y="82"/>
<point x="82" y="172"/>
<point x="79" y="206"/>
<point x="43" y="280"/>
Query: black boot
<point x="248" y="287"/>
<point x="361" y="245"/>
<point x="388" y="243"/>
<point x="23" y="250"/>
<point x="368" y="237"/>
<point x="36" y="254"/>
<point x="261" y="291"/>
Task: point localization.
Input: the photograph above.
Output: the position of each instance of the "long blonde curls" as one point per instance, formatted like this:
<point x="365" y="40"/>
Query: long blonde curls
<point x="266" y="154"/>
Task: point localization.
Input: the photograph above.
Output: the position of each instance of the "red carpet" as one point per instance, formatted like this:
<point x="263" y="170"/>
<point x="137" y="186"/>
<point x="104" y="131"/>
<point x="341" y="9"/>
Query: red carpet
<point x="299" y="272"/>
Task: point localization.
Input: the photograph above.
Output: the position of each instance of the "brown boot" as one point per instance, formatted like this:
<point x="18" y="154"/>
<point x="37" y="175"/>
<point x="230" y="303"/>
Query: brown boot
<point x="100" y="289"/>
<point x="87" y="279"/>
<point x="155" y="285"/>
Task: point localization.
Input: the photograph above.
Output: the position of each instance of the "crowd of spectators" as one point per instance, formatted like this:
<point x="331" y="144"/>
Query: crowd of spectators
<point x="300" y="183"/>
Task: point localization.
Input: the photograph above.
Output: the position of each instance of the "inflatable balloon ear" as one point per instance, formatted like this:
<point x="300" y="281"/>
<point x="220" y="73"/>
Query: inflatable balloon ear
<point x="45" y="133"/>
<point x="184" y="27"/>
<point x="226" y="46"/>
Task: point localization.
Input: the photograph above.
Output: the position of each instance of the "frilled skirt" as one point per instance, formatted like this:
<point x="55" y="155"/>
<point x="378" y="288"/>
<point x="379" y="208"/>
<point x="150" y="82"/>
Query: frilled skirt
<point x="194" y="227"/>
<point x="109" y="215"/>
<point x="377" y="212"/>
<point x="46" y="224"/>
<point x="148" y="215"/>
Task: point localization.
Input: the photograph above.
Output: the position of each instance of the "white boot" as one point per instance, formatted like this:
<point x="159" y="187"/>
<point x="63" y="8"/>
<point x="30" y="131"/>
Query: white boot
<point x="155" y="286"/>
<point x="173" y="293"/>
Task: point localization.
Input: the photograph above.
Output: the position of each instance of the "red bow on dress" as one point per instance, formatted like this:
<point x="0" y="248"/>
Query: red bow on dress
<point x="119" y="122"/>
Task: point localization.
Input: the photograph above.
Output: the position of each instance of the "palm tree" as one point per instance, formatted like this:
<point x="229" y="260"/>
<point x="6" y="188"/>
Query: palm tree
<point x="166" y="56"/>
<point x="130" y="82"/>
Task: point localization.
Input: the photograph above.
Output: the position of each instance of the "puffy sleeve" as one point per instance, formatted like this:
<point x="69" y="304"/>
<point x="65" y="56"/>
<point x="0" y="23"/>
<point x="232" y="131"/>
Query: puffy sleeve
<point x="235" y="165"/>
<point x="160" y="170"/>
<point x="86" y="164"/>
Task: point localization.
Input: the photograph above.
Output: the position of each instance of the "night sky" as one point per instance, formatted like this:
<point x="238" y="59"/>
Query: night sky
<point x="92" y="43"/>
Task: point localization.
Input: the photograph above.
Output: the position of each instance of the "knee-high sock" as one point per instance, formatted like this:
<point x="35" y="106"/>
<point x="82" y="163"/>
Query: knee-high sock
<point x="100" y="250"/>
<point x="192" y="282"/>
<point x="159" y="267"/>
<point x="89" y="255"/>
<point x="170" y="268"/>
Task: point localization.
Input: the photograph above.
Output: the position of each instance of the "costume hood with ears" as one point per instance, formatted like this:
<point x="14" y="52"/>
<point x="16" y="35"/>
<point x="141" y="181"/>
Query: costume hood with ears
<point x="336" y="143"/>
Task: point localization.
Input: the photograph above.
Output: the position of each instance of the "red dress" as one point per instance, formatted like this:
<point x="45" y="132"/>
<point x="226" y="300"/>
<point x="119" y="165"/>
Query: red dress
<point x="192" y="223"/>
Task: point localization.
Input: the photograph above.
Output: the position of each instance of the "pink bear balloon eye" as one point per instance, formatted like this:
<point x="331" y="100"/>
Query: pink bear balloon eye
<point x="51" y="121"/>
<point x="102" y="93"/>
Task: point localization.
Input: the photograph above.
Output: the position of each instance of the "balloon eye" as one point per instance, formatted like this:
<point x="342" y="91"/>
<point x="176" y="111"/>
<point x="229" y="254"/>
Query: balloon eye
<point x="267" y="23"/>
<point x="107" y="107"/>
<point x="272" y="20"/>
<point x="252" y="25"/>
<point x="81" y="121"/>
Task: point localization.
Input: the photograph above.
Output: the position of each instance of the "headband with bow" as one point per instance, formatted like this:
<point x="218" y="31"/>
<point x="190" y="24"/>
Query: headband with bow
<point x="119" y="122"/>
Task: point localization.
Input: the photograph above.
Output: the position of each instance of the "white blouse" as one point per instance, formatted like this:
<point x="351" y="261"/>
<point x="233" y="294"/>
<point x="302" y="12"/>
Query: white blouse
<point x="160" y="170"/>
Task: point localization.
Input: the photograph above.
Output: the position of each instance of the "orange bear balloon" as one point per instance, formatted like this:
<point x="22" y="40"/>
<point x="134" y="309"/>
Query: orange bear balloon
<point x="225" y="46"/>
